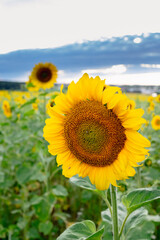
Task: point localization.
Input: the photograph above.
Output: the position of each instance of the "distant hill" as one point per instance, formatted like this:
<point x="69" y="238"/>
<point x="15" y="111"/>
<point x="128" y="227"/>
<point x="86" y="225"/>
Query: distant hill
<point x="132" y="51"/>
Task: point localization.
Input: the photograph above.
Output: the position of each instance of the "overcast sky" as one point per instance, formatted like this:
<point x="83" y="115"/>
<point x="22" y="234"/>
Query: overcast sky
<point x="50" y="23"/>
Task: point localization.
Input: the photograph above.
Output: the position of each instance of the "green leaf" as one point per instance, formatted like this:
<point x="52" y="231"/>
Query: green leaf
<point x="1" y="177"/>
<point x="107" y="221"/>
<point x="45" y="227"/>
<point x="97" y="235"/>
<point x="29" y="113"/>
<point x="42" y="210"/>
<point x="28" y="103"/>
<point x="23" y="174"/>
<point x="138" y="227"/>
<point x="50" y="198"/>
<point x="30" y="84"/>
<point x="139" y="198"/>
<point x="35" y="200"/>
<point x="79" y="231"/>
<point x="2" y="231"/>
<point x="82" y="182"/>
<point x="33" y="233"/>
<point x="59" y="190"/>
<point x="43" y="94"/>
<point x="153" y="218"/>
<point x="21" y="223"/>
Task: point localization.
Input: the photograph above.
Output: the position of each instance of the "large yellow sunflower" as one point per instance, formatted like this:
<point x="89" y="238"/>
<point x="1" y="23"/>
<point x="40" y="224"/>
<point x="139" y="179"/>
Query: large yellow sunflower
<point x="6" y="109"/>
<point x="93" y="131"/>
<point x="43" y="75"/>
<point x="156" y="122"/>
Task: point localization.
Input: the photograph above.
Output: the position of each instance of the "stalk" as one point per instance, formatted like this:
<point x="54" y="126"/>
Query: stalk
<point x="114" y="212"/>
<point x="139" y="177"/>
<point x="107" y="203"/>
<point x="44" y="99"/>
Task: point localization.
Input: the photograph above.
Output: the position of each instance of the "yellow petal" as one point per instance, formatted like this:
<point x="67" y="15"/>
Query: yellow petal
<point x="137" y="138"/>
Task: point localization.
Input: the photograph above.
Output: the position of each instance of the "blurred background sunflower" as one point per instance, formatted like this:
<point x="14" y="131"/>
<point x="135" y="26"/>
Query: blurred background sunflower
<point x="155" y="122"/>
<point x="6" y="109"/>
<point x="43" y="75"/>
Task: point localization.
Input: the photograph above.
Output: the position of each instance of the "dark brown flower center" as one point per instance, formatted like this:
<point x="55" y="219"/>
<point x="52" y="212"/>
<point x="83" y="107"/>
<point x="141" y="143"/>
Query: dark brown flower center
<point x="93" y="133"/>
<point x="157" y="122"/>
<point x="44" y="74"/>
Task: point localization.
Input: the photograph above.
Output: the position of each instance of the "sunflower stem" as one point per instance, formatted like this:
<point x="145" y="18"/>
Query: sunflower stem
<point x="114" y="212"/>
<point x="139" y="177"/>
<point x="44" y="106"/>
<point x="108" y="203"/>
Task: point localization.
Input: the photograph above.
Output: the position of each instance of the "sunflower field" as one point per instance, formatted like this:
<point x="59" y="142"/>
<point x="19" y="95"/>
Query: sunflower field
<point x="75" y="201"/>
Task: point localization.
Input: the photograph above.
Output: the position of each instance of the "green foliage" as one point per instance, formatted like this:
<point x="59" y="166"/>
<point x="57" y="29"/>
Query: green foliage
<point x="59" y="190"/>
<point x="37" y="202"/>
<point x="45" y="227"/>
<point x="85" y="230"/>
<point x="139" y="198"/>
<point x="82" y="182"/>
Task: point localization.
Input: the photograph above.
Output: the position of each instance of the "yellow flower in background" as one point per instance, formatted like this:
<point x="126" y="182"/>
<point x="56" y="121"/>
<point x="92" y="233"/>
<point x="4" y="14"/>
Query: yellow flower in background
<point x="18" y="115"/>
<point x="5" y="94"/>
<point x="155" y="122"/>
<point x="151" y="107"/>
<point x="158" y="98"/>
<point x="147" y="123"/>
<point x="43" y="75"/>
<point x="35" y="106"/>
<point x="49" y="106"/>
<point x="138" y="96"/>
<point x="150" y="98"/>
<point x="6" y="109"/>
<point x="93" y="132"/>
<point x="20" y="99"/>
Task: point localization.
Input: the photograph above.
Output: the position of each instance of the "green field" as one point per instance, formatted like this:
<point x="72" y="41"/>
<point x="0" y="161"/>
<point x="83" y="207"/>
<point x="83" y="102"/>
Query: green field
<point x="38" y="202"/>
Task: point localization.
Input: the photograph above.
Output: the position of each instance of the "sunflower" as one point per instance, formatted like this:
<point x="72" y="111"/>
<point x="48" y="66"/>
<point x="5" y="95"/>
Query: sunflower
<point x="150" y="98"/>
<point x="6" y="109"/>
<point x="155" y="122"/>
<point x="158" y="98"/>
<point x="43" y="75"/>
<point x="151" y="107"/>
<point x="93" y="132"/>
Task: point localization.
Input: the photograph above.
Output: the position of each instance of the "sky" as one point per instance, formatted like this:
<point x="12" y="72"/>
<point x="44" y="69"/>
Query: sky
<point x="29" y="24"/>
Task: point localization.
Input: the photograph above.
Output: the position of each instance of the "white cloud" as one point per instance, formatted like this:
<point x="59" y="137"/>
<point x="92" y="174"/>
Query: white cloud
<point x="51" y="23"/>
<point x="115" y="69"/>
<point x="150" y="65"/>
<point x="149" y="79"/>
<point x="111" y="79"/>
<point x="137" y="40"/>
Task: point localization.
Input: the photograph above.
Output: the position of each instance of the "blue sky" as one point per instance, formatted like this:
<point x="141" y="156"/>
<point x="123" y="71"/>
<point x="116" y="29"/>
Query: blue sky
<point x="29" y="24"/>
<point x="131" y="59"/>
<point x="49" y="24"/>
